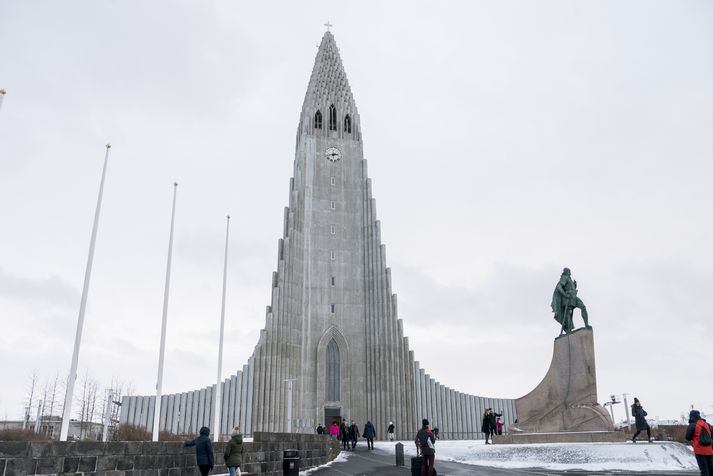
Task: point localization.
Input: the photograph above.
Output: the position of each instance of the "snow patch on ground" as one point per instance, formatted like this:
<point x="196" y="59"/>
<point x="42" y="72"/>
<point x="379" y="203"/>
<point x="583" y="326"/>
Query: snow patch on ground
<point x="342" y="457"/>
<point x="657" y="456"/>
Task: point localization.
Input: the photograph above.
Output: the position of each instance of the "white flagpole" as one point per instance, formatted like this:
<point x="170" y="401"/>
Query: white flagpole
<point x="39" y="416"/>
<point x="107" y="414"/>
<point x="216" y="413"/>
<point x="157" y="405"/>
<point x="69" y="395"/>
<point x="2" y="96"/>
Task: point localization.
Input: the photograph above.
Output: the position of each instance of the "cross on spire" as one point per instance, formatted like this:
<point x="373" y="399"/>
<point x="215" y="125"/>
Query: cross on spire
<point x="328" y="25"/>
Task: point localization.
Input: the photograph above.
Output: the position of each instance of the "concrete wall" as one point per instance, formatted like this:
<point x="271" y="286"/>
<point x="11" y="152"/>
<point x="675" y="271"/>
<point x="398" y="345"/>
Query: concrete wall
<point x="145" y="458"/>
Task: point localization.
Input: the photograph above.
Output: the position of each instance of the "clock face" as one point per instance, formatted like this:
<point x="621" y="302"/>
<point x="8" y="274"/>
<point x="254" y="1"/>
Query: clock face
<point x="333" y="154"/>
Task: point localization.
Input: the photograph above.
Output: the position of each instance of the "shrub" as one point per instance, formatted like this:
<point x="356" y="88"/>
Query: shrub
<point x="18" y="434"/>
<point x="127" y="432"/>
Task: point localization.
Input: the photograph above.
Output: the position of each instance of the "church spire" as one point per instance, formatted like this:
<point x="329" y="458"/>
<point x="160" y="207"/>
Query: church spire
<point x="328" y="86"/>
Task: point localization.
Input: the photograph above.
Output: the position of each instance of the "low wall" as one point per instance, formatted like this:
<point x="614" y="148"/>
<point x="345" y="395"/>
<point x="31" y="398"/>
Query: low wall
<point x="145" y="458"/>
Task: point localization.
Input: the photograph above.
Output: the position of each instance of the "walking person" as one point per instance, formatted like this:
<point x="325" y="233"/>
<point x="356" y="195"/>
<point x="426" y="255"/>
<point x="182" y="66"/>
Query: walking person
<point x="233" y="453"/>
<point x="320" y="429"/>
<point x="492" y="418"/>
<point x="204" y="450"/>
<point x="641" y="424"/>
<point x="499" y="425"/>
<point x="696" y="434"/>
<point x="334" y="431"/>
<point x="353" y="434"/>
<point x="390" y="431"/>
<point x="344" y="435"/>
<point x="369" y="433"/>
<point x="426" y="444"/>
<point x="485" y="425"/>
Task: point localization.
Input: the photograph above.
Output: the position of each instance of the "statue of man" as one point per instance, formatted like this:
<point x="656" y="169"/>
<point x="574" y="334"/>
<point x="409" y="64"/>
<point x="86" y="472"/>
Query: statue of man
<point x="565" y="300"/>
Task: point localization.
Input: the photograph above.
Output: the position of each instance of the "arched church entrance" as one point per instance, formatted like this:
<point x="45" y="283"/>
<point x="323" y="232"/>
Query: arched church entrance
<point x="333" y="391"/>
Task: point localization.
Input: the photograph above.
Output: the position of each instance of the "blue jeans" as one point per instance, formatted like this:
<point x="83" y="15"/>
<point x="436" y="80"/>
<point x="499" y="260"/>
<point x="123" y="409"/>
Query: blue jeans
<point x="233" y="470"/>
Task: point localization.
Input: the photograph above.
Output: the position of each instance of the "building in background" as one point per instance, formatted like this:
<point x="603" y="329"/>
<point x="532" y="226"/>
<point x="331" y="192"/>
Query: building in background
<point x="332" y="332"/>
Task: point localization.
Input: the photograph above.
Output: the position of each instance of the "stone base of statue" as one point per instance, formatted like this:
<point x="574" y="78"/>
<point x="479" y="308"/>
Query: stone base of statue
<point x="566" y="399"/>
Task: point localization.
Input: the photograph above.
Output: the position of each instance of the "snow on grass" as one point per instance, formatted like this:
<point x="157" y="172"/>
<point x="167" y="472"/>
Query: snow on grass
<point x="657" y="456"/>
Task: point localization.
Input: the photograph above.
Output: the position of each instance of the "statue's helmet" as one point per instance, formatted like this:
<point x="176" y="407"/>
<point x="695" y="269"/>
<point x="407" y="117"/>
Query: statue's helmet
<point x="566" y="271"/>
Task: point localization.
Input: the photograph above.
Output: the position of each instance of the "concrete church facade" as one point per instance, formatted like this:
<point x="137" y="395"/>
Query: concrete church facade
<point x="332" y="330"/>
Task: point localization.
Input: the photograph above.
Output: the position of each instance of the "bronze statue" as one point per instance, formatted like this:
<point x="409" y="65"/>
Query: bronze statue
<point x="565" y="300"/>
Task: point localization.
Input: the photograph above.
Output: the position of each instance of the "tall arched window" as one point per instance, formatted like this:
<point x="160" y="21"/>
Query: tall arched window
<point x="347" y="124"/>
<point x="332" y="118"/>
<point x="332" y="377"/>
<point x="318" y="120"/>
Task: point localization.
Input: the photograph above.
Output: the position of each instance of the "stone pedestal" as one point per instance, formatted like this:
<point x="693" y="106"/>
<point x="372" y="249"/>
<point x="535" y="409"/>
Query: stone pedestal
<point x="566" y="399"/>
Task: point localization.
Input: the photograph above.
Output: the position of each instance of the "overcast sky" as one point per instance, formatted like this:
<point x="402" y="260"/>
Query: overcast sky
<point x="505" y="140"/>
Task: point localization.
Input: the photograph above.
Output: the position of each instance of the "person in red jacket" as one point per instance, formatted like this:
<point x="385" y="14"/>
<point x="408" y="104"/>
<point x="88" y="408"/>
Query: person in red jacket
<point x="704" y="454"/>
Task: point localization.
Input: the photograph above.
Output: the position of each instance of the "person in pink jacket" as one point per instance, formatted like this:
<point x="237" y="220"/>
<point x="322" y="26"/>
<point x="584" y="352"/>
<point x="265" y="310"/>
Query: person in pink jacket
<point x="334" y="430"/>
<point x="499" y="425"/>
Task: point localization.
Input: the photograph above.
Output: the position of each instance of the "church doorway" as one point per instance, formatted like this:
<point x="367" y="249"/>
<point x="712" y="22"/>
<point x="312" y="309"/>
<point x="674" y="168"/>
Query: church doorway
<point x="332" y="415"/>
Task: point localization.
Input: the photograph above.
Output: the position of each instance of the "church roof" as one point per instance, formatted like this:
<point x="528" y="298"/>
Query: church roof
<point x="328" y="83"/>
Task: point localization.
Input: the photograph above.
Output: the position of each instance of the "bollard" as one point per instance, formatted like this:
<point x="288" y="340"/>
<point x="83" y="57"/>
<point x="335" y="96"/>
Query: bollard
<point x="400" y="454"/>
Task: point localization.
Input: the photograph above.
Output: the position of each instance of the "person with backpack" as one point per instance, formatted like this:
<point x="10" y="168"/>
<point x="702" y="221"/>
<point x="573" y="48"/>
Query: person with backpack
<point x="426" y="444"/>
<point x="641" y="424"/>
<point x="699" y="434"/>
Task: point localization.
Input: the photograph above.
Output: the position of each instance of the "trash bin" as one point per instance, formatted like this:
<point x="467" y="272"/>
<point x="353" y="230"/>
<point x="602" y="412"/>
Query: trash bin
<point x="291" y="463"/>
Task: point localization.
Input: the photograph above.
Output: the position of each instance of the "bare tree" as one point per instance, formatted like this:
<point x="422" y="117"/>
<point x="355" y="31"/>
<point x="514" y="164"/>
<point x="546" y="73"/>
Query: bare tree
<point x="87" y="403"/>
<point x="29" y="400"/>
<point x="52" y="396"/>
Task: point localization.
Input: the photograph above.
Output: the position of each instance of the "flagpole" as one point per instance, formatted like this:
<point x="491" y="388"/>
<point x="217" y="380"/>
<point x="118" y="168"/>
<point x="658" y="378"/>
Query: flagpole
<point x="216" y="413"/>
<point x="69" y="395"/>
<point x="2" y="96"/>
<point x="157" y="405"/>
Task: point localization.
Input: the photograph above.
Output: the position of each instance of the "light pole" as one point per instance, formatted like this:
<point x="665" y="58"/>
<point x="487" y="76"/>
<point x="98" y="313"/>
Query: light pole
<point x="611" y="404"/>
<point x="2" y="96"/>
<point x="626" y="408"/>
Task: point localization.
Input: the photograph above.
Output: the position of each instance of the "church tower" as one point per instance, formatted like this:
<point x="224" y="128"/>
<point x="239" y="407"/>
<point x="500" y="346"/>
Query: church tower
<point x="333" y="346"/>
<point x="332" y="325"/>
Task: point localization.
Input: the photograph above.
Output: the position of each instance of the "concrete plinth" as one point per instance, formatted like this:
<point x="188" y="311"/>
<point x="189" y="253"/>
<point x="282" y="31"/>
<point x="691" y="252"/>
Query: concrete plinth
<point x="566" y="399"/>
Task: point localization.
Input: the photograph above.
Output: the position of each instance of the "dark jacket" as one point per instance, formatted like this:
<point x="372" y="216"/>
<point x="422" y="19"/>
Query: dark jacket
<point x="204" y="447"/>
<point x="492" y="421"/>
<point x="369" y="431"/>
<point x="391" y="428"/>
<point x="422" y="437"/>
<point x="234" y="451"/>
<point x="344" y="432"/>
<point x="640" y="416"/>
<point x="353" y="431"/>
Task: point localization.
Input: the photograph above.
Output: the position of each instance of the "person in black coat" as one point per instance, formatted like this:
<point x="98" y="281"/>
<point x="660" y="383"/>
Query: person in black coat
<point x="369" y="433"/>
<point x="353" y="433"/>
<point x="204" y="451"/>
<point x="641" y="424"/>
<point x="492" y="419"/>
<point x="344" y="435"/>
